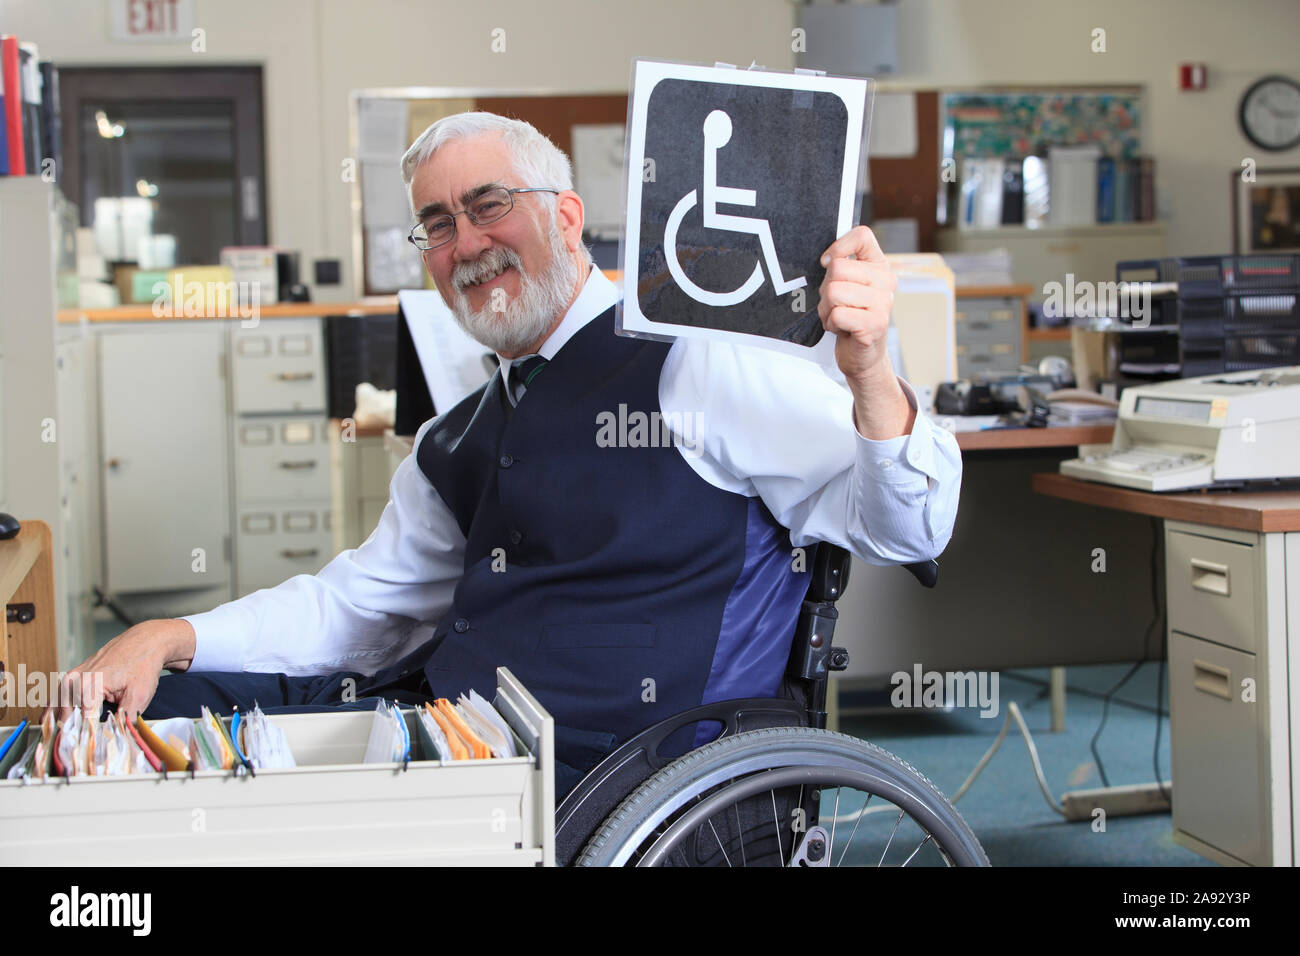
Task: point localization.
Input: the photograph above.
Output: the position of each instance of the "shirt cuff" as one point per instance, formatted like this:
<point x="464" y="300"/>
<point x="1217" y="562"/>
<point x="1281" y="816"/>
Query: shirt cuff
<point x="219" y="640"/>
<point x="904" y="457"/>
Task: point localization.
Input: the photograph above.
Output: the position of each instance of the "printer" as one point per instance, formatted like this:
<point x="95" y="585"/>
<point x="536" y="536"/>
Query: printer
<point x="1225" y="430"/>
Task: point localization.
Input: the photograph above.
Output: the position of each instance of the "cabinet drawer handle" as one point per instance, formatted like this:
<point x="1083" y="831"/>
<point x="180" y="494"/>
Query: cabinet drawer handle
<point x="295" y="553"/>
<point x="1210" y="576"/>
<point x="298" y="465"/>
<point x="1211" y="678"/>
<point x="296" y="376"/>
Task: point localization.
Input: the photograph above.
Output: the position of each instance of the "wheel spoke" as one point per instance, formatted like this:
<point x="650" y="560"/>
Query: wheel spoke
<point x="855" y="829"/>
<point x="740" y="835"/>
<point x="834" y="818"/>
<point x="719" y="839"/>
<point x="927" y="839"/>
<point x="780" y="852"/>
<point x="891" y="838"/>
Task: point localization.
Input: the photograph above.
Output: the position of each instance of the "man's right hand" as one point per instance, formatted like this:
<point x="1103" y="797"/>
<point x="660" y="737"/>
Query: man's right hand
<point x="126" y="669"/>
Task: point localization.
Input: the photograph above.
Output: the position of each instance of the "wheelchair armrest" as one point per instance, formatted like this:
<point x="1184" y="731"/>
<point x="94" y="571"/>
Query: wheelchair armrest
<point x="927" y="572"/>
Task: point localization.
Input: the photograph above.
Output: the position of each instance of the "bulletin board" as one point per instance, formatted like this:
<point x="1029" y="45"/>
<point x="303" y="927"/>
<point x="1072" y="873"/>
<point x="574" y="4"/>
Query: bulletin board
<point x="992" y="123"/>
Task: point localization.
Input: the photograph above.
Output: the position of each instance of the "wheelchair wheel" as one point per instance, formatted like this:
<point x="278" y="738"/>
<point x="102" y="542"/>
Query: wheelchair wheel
<point x="776" y="797"/>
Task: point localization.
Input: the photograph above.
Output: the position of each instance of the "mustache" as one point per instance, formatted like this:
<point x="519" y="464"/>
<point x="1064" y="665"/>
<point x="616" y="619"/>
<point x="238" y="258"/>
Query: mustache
<point x="497" y="259"/>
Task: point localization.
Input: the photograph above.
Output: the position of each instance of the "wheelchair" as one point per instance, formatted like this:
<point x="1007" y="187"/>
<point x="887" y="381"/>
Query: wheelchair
<point x="766" y="791"/>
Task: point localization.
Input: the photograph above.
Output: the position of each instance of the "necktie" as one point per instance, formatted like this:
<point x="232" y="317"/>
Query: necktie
<point x="523" y="372"/>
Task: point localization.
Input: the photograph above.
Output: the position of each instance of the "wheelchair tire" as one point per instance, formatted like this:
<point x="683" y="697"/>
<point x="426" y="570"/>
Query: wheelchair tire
<point x="738" y="764"/>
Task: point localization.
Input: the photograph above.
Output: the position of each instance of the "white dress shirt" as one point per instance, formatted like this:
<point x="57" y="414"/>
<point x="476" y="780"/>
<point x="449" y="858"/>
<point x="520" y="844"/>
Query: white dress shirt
<point x="752" y="421"/>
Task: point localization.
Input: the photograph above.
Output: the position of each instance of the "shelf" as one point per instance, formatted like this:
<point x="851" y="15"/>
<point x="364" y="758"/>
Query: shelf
<point x="1057" y="232"/>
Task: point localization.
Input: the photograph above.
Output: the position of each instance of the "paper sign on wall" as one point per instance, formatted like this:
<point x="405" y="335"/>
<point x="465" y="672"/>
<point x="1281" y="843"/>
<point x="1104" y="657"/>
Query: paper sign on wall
<point x="737" y="181"/>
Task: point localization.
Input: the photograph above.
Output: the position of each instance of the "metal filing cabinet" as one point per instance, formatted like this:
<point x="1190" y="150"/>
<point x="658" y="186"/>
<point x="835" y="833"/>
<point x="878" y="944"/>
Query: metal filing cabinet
<point x="989" y="333"/>
<point x="330" y="809"/>
<point x="1229" y="692"/>
<point x="164" y="431"/>
<point x="281" y="452"/>
<point x="278" y="366"/>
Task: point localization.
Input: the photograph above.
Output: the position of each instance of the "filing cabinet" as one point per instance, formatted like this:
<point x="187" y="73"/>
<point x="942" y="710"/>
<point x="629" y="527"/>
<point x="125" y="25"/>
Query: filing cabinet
<point x="278" y="366"/>
<point x="275" y="541"/>
<point x="362" y="470"/>
<point x="281" y="458"/>
<point x="331" y="808"/>
<point x="281" y="443"/>
<point x="1234" y="777"/>
<point x="989" y="334"/>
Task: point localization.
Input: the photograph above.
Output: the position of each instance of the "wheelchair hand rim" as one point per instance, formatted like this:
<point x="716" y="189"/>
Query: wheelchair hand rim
<point x="877" y="784"/>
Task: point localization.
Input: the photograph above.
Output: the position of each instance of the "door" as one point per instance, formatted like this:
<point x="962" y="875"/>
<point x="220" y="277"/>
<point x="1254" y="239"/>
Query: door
<point x="165" y="460"/>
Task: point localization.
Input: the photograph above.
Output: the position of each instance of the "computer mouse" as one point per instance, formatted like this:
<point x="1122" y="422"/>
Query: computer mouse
<point x="9" y="526"/>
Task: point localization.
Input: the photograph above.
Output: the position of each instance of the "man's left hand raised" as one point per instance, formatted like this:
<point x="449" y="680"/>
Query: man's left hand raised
<point x="856" y="298"/>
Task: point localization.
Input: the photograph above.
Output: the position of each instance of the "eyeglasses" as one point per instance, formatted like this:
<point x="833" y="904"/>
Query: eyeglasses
<point x="487" y="208"/>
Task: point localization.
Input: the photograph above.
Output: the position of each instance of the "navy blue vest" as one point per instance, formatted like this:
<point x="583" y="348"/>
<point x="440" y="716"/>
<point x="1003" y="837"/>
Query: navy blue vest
<point x="617" y="585"/>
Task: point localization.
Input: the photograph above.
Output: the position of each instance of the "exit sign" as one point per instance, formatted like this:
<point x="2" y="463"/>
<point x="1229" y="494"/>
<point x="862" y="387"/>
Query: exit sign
<point x="149" y="21"/>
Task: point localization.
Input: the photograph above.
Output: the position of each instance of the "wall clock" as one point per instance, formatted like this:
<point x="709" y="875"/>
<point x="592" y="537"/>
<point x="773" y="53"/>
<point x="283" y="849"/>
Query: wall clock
<point x="1270" y="113"/>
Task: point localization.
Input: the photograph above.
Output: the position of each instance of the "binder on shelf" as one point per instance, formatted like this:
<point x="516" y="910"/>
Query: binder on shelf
<point x="1124" y="190"/>
<point x="1105" y="189"/>
<point x="4" y="124"/>
<point x="1013" y="192"/>
<point x="1146" y="191"/>
<point x="1072" y="184"/>
<point x="13" y="105"/>
<point x="29" y="73"/>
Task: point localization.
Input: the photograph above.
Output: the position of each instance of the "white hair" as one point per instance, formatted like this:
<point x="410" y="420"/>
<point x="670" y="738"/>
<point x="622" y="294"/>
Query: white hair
<point x="537" y="160"/>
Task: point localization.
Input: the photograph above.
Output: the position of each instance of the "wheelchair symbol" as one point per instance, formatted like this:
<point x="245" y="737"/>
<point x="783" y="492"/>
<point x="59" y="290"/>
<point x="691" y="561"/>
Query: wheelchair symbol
<point x="717" y="133"/>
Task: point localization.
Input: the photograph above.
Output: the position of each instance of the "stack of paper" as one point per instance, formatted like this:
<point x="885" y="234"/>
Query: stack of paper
<point x="389" y="740"/>
<point x="980" y="268"/>
<point x="1080" y="413"/>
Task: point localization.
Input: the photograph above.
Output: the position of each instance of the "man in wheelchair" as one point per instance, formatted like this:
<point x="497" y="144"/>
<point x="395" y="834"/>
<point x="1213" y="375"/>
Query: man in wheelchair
<point x="622" y="579"/>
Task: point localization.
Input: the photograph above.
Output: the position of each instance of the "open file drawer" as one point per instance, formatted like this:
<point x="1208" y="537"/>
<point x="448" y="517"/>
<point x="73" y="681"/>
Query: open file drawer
<point x="330" y="809"/>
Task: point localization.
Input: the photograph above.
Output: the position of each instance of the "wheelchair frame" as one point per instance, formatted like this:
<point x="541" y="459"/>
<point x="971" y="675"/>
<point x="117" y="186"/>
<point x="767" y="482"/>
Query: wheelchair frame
<point x="812" y="658"/>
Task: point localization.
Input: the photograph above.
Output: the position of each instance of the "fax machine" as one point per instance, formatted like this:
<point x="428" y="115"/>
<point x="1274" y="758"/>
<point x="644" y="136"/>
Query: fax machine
<point x="1222" y="430"/>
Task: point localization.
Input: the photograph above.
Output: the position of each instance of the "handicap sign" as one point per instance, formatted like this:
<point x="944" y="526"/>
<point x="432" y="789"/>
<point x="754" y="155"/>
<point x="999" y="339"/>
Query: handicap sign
<point x="737" y="182"/>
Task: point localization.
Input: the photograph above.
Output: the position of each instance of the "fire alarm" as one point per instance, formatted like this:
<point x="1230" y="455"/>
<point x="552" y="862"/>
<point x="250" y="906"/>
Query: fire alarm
<point x="1191" y="76"/>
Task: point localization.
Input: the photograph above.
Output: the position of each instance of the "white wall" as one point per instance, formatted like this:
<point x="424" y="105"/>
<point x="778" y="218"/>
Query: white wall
<point x="314" y="52"/>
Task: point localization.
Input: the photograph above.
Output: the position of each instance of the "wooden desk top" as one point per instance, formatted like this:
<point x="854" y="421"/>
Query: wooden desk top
<point x="284" y="310"/>
<point x="1265" y="511"/>
<point x="994" y="291"/>
<point x="1010" y="439"/>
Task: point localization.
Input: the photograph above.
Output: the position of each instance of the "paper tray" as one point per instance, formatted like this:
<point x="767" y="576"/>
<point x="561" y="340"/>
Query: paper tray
<point x="478" y="812"/>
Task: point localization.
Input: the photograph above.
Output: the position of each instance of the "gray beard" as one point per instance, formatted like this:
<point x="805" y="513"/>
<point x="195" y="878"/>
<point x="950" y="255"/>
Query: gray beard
<point x="527" y="316"/>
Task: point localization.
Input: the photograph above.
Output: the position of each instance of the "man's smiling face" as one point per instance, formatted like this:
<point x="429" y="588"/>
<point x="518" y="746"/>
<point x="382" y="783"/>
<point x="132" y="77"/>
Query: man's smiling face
<point x="508" y="282"/>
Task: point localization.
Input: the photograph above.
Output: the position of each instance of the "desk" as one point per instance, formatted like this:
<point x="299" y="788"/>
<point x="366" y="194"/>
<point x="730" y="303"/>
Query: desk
<point x="1232" y="576"/>
<point x="1015" y="439"/>
<point x="1015" y="584"/>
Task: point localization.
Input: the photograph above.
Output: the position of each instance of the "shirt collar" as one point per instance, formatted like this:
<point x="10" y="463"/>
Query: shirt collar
<point x="597" y="296"/>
